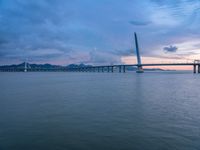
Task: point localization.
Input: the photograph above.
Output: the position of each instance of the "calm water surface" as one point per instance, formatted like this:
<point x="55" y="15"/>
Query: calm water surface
<point x="99" y="111"/>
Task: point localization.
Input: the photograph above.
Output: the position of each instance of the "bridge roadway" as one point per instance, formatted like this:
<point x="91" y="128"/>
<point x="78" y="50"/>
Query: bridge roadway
<point x="103" y="68"/>
<point x="122" y="68"/>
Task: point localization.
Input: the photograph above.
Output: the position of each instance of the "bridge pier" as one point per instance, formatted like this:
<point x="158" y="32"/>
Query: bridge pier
<point x="198" y="68"/>
<point x="124" y="68"/>
<point x="120" y="69"/>
<point x="102" y="69"/>
<point x="112" y="69"/>
<point x="108" y="69"/>
<point x="139" y="69"/>
<point x="194" y="69"/>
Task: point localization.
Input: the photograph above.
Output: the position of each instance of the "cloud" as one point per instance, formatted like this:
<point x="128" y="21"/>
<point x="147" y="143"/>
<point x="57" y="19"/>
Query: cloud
<point x="170" y="49"/>
<point x="51" y="30"/>
<point x="126" y="52"/>
<point x="139" y="23"/>
<point x="2" y="41"/>
<point x="97" y="57"/>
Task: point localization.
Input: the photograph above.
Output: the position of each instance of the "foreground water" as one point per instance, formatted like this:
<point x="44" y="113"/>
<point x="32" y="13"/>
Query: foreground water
<point x="99" y="111"/>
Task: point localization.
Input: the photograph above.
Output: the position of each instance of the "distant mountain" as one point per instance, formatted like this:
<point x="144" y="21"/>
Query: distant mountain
<point x="13" y="66"/>
<point x="22" y="65"/>
<point x="41" y="66"/>
<point x="76" y="66"/>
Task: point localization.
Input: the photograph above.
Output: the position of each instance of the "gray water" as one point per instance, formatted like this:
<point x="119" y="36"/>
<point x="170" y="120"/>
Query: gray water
<point x="100" y="111"/>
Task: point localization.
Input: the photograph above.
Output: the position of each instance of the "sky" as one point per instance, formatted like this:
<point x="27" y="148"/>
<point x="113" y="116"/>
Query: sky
<point x="98" y="31"/>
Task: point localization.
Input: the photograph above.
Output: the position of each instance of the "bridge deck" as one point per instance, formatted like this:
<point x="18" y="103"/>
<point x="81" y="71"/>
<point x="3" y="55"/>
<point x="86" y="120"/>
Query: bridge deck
<point x="159" y="64"/>
<point x="109" y="68"/>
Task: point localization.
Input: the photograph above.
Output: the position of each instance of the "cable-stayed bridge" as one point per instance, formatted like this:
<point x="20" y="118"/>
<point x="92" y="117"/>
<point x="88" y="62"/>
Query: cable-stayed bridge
<point x="139" y="65"/>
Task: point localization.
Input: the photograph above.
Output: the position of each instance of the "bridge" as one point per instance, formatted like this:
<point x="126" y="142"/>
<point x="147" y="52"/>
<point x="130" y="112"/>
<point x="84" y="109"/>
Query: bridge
<point x="139" y="65"/>
<point x="107" y="68"/>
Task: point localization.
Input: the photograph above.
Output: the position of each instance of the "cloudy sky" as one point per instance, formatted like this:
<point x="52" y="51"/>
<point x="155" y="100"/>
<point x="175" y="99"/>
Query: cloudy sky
<point x="98" y="31"/>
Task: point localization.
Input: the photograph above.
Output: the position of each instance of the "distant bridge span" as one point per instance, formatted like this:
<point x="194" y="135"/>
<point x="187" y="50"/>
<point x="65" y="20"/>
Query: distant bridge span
<point x="102" y="68"/>
<point x="122" y="68"/>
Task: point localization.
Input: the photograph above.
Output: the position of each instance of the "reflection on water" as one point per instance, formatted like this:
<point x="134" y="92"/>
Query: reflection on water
<point x="99" y="111"/>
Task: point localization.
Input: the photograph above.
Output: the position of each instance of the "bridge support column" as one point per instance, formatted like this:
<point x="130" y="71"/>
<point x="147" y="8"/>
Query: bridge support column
<point x="140" y="69"/>
<point x="198" y="68"/>
<point x="112" y="68"/>
<point x="102" y="69"/>
<point x="124" y="69"/>
<point x="194" y="69"/>
<point x="120" y="69"/>
<point x="108" y="69"/>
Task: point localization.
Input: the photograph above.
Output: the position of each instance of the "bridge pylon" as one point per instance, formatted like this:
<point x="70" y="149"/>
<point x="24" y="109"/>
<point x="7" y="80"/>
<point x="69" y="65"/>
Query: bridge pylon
<point x="139" y="64"/>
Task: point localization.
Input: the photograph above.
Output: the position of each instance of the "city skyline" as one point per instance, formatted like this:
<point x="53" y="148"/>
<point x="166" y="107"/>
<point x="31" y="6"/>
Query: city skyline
<point x="98" y="32"/>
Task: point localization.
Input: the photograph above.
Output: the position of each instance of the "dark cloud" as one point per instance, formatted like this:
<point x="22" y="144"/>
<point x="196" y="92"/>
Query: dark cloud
<point x="50" y="29"/>
<point x="97" y="57"/>
<point x="26" y="26"/>
<point x="139" y="23"/>
<point x="2" y="41"/>
<point x="126" y="52"/>
<point x="170" y="49"/>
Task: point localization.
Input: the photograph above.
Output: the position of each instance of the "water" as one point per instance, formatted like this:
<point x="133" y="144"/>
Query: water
<point x="99" y="111"/>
